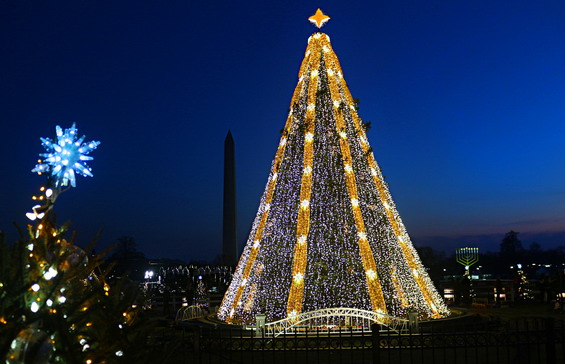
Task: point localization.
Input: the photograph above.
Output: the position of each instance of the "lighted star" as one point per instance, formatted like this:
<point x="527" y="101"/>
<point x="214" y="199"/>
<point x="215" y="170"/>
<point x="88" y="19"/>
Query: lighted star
<point x="66" y="156"/>
<point x="319" y="19"/>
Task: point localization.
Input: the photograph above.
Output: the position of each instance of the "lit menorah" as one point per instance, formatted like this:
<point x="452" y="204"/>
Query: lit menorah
<point x="467" y="257"/>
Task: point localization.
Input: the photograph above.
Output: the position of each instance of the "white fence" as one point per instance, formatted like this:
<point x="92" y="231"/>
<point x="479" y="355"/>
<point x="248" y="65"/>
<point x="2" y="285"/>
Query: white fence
<point x="189" y="313"/>
<point x="332" y="319"/>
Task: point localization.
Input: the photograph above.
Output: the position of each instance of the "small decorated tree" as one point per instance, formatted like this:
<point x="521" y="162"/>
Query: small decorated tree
<point x="523" y="291"/>
<point x="201" y="296"/>
<point x="56" y="305"/>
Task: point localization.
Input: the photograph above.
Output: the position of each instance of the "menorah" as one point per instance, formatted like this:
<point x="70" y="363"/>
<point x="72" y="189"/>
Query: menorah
<point x="467" y="257"/>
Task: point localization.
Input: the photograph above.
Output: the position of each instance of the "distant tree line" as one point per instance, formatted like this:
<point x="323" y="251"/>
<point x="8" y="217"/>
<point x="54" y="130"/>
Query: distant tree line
<point x="511" y="252"/>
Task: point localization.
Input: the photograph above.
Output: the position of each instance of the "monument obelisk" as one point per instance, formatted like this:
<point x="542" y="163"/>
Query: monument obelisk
<point x="229" y="253"/>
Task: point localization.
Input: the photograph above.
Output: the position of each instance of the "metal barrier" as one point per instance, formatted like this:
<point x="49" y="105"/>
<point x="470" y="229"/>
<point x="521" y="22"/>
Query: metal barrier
<point x="189" y="313"/>
<point x="331" y="319"/>
<point x="535" y="341"/>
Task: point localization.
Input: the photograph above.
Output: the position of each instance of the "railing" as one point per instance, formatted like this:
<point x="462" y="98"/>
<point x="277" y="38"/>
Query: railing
<point x="535" y="341"/>
<point x="174" y="301"/>
<point x="331" y="319"/>
<point x="189" y="313"/>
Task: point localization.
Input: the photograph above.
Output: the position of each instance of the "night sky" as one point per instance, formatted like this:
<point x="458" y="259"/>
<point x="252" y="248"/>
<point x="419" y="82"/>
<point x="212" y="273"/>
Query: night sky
<point x="466" y="100"/>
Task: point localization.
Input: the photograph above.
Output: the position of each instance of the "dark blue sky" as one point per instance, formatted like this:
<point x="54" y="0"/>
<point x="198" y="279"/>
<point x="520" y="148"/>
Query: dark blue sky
<point x="466" y="99"/>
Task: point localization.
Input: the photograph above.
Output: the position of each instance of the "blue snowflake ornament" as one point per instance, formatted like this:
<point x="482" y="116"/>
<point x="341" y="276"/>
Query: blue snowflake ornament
<point x="65" y="157"/>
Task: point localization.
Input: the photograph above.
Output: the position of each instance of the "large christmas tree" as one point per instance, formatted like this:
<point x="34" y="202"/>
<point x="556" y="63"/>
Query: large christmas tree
<point x="327" y="232"/>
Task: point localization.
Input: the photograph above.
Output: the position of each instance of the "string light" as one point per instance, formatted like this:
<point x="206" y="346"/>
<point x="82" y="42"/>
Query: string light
<point x="51" y="273"/>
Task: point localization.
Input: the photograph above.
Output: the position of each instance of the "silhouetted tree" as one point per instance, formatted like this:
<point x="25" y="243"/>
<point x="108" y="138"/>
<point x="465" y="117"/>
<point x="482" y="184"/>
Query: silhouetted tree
<point x="433" y="260"/>
<point x="535" y="253"/>
<point x="511" y="249"/>
<point x="128" y="260"/>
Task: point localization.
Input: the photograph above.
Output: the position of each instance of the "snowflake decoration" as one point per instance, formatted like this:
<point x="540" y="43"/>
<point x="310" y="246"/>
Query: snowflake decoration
<point x="66" y="157"/>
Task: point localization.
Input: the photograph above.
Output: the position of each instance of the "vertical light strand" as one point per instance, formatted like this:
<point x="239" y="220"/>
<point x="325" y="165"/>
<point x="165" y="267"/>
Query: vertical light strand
<point x="433" y="301"/>
<point x="249" y="257"/>
<point x="367" y="257"/>
<point x="398" y="288"/>
<point x="296" y="292"/>
<point x="250" y="298"/>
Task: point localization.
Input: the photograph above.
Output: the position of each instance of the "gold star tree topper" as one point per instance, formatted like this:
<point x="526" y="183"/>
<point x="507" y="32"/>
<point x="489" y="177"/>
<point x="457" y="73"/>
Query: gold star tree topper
<point x="319" y="19"/>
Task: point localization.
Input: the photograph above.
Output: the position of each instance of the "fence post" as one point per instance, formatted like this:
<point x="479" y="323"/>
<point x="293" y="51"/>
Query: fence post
<point x="196" y="342"/>
<point x="375" y="334"/>
<point x="550" y="340"/>
<point x="259" y="324"/>
<point x="413" y="321"/>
